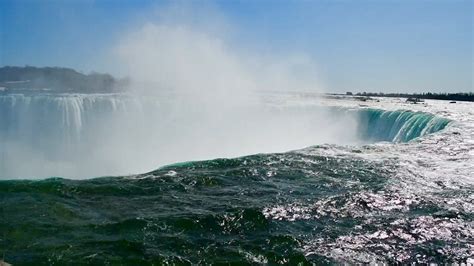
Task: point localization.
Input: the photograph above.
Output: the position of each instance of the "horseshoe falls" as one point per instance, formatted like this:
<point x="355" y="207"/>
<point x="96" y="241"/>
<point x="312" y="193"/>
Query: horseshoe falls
<point x="126" y="179"/>
<point x="71" y="131"/>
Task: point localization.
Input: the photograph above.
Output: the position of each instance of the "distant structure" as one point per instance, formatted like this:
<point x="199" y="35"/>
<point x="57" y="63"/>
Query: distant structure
<point x="414" y="100"/>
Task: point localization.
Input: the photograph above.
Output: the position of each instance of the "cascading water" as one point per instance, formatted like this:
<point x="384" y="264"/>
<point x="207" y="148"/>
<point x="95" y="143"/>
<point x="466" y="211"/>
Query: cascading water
<point x="397" y="126"/>
<point x="103" y="134"/>
<point x="62" y="134"/>
<point x="62" y="119"/>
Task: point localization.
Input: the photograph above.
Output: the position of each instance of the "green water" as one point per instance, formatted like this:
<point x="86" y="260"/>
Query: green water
<point x="397" y="126"/>
<point x="288" y="208"/>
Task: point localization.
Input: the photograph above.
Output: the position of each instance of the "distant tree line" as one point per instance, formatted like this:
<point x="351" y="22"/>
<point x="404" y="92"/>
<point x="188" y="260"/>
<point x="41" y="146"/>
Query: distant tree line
<point x="57" y="79"/>
<point x="461" y="96"/>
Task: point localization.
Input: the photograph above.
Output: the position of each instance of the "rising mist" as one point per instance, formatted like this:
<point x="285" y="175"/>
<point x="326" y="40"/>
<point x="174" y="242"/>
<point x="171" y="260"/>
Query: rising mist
<point x="193" y="95"/>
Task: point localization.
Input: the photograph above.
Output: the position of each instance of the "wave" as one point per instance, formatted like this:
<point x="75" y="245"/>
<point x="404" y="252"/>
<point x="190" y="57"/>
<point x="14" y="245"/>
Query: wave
<point x="294" y="207"/>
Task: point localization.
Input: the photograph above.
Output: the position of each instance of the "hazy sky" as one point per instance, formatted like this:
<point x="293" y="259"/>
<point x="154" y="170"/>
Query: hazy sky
<point x="396" y="45"/>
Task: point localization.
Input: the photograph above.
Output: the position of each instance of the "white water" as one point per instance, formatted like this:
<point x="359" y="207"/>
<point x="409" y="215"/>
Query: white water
<point x="88" y="135"/>
<point x="435" y="169"/>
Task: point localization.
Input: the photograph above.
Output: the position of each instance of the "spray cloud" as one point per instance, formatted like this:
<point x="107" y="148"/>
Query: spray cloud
<point x="194" y="95"/>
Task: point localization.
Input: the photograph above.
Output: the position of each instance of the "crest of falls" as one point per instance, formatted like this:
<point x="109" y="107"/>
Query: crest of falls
<point x="397" y="126"/>
<point x="103" y="134"/>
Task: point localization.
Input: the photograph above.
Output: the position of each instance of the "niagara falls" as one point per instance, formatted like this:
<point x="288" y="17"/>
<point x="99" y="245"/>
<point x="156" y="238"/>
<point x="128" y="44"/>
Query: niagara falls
<point x="236" y="132"/>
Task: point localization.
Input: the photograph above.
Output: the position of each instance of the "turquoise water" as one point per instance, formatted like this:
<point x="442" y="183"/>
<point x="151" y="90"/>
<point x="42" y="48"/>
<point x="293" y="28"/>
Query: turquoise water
<point x="397" y="126"/>
<point x="218" y="211"/>
<point x="282" y="208"/>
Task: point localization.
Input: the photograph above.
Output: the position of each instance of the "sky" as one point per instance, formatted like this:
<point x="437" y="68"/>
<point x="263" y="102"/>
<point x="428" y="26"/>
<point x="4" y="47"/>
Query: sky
<point x="366" y="45"/>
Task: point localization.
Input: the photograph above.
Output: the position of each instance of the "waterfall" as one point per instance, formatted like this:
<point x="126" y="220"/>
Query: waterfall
<point x="80" y="135"/>
<point x="397" y="126"/>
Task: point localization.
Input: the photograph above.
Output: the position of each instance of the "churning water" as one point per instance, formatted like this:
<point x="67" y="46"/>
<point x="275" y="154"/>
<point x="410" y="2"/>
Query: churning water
<point x="397" y="193"/>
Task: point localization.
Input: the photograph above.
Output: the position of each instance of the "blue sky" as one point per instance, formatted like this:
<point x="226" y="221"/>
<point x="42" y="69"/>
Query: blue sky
<point x="392" y="45"/>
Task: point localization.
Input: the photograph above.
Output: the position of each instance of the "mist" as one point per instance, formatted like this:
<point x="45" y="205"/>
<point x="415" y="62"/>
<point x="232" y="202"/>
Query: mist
<point x="193" y="95"/>
<point x="215" y="98"/>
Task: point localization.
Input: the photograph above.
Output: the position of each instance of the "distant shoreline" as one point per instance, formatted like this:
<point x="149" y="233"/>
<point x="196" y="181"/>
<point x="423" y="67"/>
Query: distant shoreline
<point x="14" y="79"/>
<point x="414" y="97"/>
<point x="53" y="80"/>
